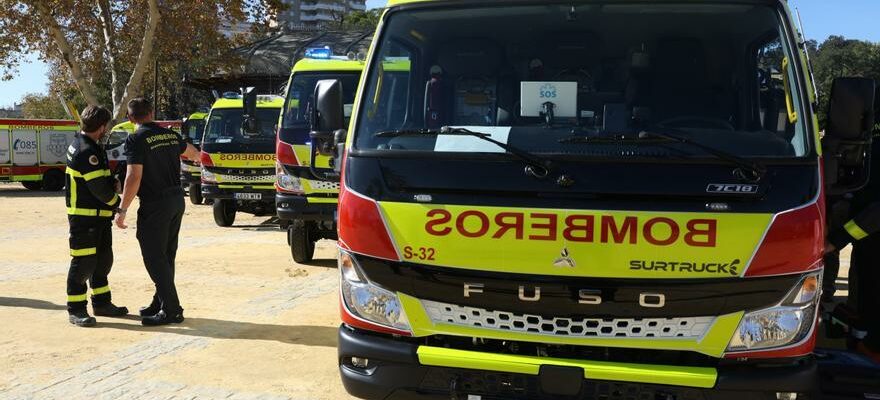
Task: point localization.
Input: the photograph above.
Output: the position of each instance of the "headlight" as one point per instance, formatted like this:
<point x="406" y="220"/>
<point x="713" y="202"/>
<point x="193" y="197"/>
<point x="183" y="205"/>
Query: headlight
<point x="287" y="182"/>
<point x="368" y="301"/>
<point x="786" y="323"/>
<point x="208" y="176"/>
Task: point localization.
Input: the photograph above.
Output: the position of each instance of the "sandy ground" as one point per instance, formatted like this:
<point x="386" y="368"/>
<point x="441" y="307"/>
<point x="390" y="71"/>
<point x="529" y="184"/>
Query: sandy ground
<point x="258" y="325"/>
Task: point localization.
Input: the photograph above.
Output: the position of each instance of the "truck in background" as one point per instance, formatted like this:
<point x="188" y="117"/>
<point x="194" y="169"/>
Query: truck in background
<point x="33" y="152"/>
<point x="306" y="203"/>
<point x="191" y="170"/>
<point x="587" y="199"/>
<point x="238" y="161"/>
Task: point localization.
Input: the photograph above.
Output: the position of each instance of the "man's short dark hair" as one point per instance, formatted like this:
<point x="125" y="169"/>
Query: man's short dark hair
<point x="139" y="108"/>
<point x="94" y="117"/>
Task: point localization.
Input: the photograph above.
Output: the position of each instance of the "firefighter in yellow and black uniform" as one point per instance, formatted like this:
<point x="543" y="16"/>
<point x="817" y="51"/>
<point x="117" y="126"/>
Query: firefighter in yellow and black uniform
<point x="92" y="199"/>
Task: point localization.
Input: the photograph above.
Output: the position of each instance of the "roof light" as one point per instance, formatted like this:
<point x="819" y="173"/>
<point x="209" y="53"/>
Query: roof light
<point x="231" y="95"/>
<point x="319" y="53"/>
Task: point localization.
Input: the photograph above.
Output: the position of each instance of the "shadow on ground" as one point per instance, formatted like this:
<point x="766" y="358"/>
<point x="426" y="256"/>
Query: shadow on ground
<point x="20" y="192"/>
<point x="269" y="225"/>
<point x="30" y="303"/>
<point x="306" y="335"/>
<point x="324" y="263"/>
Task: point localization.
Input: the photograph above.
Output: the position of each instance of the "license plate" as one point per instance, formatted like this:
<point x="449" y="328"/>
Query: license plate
<point x="248" y="196"/>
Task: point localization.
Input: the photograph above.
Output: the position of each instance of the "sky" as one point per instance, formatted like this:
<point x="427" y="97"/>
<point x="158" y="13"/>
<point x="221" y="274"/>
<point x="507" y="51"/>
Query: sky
<point x="856" y="19"/>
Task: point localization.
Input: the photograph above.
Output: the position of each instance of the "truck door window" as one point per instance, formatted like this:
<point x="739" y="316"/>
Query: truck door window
<point x="388" y="97"/>
<point x="776" y="102"/>
<point x="300" y="97"/>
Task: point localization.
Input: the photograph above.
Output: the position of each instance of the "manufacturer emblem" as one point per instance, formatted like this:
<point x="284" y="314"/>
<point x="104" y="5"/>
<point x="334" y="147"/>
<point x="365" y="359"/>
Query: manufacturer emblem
<point x="564" y="260"/>
<point x="735" y="188"/>
<point x="93" y="160"/>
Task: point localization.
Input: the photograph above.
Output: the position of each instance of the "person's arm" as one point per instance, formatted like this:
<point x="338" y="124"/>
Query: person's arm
<point x="191" y="153"/>
<point x="132" y="185"/>
<point x="104" y="190"/>
<point x="135" y="153"/>
<point x="858" y="228"/>
<point x="99" y="181"/>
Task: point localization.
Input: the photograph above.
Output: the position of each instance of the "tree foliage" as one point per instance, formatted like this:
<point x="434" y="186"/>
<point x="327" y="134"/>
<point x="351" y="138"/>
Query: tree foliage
<point x="106" y="50"/>
<point x="41" y="106"/>
<point x="840" y="57"/>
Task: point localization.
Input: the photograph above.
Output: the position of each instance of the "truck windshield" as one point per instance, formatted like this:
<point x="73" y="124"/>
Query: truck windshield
<point x="193" y="130"/>
<point x="300" y="97"/>
<point x="224" y="126"/>
<point x="538" y="76"/>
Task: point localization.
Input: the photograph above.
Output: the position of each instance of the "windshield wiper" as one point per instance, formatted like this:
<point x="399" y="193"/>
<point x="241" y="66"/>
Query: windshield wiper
<point x="749" y="170"/>
<point x="535" y="166"/>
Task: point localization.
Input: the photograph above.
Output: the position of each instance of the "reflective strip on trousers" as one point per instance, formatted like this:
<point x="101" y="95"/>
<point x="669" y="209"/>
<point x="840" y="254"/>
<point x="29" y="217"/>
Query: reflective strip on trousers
<point x="76" y="298"/>
<point x="84" y="252"/>
<point x="89" y="212"/>
<point x="855" y="230"/>
<point x="101" y="290"/>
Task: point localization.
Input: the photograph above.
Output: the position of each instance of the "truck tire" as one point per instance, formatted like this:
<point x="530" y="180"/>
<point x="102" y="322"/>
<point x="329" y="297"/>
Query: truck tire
<point x="32" y="185"/>
<point x="302" y="247"/>
<point x="224" y="213"/>
<point x="53" y="180"/>
<point x="195" y="194"/>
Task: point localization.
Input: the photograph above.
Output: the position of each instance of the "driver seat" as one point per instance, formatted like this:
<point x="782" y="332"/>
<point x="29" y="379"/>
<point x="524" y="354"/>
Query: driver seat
<point x="680" y="80"/>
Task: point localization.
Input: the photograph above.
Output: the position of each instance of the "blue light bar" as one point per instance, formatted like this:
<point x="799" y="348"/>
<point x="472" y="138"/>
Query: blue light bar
<point x="319" y="53"/>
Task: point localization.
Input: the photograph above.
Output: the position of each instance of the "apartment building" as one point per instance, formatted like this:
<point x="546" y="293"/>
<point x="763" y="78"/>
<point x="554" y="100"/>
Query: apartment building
<point x="317" y="12"/>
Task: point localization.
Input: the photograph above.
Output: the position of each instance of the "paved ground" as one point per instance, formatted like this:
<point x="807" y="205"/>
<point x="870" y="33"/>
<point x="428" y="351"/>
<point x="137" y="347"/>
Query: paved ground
<point x="258" y="325"/>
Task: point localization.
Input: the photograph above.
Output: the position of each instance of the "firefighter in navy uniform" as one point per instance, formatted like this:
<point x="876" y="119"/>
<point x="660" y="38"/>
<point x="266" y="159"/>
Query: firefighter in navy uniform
<point x="862" y="232"/>
<point x="91" y="200"/>
<point x="153" y="175"/>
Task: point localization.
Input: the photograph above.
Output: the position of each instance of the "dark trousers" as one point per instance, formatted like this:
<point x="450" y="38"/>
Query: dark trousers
<point x="158" y="226"/>
<point x="91" y="248"/>
<point x="865" y="286"/>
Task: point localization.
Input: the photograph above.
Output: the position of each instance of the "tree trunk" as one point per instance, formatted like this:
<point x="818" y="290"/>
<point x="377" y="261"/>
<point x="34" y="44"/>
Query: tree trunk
<point x="66" y="51"/>
<point x="133" y="87"/>
<point x="109" y="41"/>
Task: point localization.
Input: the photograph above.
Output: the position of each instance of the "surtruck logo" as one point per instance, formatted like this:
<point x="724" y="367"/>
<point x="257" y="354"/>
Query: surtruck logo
<point x="730" y="268"/>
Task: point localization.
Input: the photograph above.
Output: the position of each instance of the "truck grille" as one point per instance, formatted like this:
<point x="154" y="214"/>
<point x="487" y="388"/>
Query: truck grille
<point x="684" y="328"/>
<point x="265" y="179"/>
<point x="324" y="185"/>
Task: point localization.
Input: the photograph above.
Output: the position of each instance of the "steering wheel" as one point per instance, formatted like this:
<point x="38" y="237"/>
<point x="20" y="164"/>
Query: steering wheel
<point x="718" y="122"/>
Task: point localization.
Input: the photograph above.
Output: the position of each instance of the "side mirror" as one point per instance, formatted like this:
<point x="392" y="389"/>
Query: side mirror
<point x="848" y="132"/>
<point x="250" y="125"/>
<point x="328" y="116"/>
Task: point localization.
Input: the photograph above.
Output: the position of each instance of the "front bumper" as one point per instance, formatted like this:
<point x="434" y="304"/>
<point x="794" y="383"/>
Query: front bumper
<point x="189" y="178"/>
<point x="297" y="207"/>
<point x="399" y="369"/>
<point x="227" y="192"/>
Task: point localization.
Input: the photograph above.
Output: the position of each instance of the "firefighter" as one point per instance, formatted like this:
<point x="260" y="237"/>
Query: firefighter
<point x="153" y="175"/>
<point x="91" y="198"/>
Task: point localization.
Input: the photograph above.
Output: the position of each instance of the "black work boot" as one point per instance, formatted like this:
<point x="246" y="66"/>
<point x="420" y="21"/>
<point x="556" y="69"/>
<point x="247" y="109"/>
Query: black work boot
<point x="109" y="310"/>
<point x="81" y="318"/>
<point x="151" y="309"/>
<point x="162" y="318"/>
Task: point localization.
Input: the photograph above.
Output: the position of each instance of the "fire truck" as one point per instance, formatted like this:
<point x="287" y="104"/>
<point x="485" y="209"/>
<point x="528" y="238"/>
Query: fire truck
<point x="34" y="151"/>
<point x="587" y="200"/>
